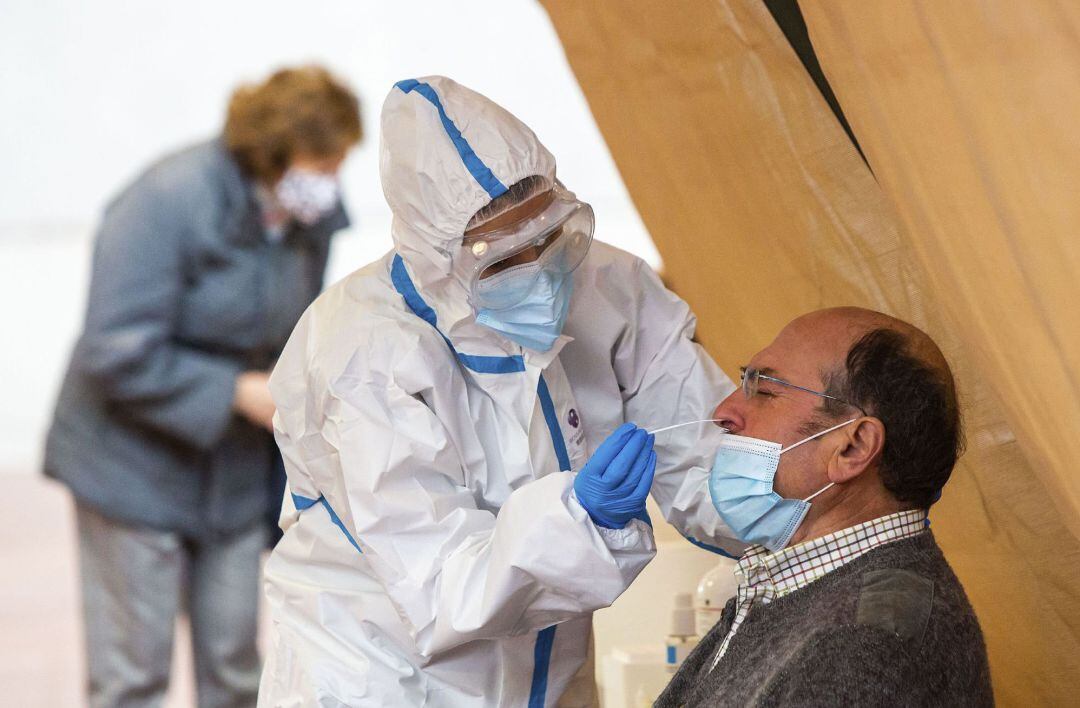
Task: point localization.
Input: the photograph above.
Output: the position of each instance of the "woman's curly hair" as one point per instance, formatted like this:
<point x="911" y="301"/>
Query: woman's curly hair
<point x="299" y="110"/>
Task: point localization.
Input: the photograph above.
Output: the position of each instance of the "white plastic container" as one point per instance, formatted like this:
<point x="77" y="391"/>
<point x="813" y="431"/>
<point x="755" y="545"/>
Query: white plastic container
<point x="714" y="589"/>
<point x="683" y="636"/>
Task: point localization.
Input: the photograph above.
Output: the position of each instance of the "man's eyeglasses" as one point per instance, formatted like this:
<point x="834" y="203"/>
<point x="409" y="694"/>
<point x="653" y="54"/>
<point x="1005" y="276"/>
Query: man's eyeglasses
<point x="751" y="378"/>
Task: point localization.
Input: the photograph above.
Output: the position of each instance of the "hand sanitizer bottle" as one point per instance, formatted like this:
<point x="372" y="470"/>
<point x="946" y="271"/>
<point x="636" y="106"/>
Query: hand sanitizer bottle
<point x="683" y="637"/>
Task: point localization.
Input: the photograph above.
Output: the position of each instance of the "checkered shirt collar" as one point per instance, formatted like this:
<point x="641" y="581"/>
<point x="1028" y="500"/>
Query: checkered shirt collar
<point x="777" y="574"/>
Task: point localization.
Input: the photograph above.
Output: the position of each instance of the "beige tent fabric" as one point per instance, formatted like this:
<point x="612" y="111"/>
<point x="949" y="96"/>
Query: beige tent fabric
<point x="763" y="210"/>
<point x="969" y="113"/>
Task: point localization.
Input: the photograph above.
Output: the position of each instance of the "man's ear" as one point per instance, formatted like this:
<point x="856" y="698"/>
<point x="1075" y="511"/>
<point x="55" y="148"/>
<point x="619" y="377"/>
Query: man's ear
<point x="859" y="450"/>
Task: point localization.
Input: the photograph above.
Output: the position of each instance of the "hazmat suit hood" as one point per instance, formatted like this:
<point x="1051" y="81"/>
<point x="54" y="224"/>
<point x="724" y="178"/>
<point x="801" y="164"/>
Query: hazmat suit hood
<point x="446" y="151"/>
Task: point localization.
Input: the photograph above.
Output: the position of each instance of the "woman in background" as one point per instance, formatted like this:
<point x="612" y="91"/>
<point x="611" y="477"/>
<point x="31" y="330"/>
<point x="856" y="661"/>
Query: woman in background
<point x="201" y="268"/>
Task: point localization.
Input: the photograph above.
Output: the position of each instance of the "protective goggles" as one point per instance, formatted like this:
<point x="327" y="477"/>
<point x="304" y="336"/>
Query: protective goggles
<point x="554" y="238"/>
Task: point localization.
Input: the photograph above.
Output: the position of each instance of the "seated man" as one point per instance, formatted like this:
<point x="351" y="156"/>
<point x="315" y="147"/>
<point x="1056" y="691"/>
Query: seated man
<point x="847" y="600"/>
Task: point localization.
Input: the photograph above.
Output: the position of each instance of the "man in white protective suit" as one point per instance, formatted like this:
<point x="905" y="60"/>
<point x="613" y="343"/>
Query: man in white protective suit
<point x="465" y="488"/>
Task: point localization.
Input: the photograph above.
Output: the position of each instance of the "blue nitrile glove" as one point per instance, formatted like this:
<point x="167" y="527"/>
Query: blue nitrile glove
<point x="615" y="482"/>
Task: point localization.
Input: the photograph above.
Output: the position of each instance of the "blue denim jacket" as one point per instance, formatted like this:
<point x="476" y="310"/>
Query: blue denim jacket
<point x="186" y="292"/>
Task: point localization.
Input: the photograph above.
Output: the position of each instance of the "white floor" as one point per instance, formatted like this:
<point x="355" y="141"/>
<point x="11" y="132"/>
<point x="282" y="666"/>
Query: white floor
<point x="41" y="651"/>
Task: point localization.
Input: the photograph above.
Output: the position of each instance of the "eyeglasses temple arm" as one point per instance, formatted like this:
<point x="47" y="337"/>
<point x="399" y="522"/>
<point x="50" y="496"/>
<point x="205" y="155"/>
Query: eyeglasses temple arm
<point x="810" y="390"/>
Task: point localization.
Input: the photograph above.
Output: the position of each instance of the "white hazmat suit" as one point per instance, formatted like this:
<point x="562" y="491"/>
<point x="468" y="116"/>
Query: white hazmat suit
<point x="436" y="554"/>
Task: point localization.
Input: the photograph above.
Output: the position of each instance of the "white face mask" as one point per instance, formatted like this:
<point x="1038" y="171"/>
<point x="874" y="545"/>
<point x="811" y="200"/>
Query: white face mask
<point x="308" y="196"/>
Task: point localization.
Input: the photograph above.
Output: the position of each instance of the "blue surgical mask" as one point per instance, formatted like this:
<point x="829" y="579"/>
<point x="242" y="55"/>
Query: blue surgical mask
<point x="537" y="319"/>
<point x="741" y="486"/>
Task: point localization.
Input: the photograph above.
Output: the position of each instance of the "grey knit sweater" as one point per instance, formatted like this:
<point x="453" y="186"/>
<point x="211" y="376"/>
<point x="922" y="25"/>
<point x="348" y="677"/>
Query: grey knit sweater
<point x="892" y="627"/>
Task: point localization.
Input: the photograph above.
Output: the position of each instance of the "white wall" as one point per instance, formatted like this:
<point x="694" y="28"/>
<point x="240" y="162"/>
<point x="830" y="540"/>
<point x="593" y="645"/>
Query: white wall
<point x="92" y="91"/>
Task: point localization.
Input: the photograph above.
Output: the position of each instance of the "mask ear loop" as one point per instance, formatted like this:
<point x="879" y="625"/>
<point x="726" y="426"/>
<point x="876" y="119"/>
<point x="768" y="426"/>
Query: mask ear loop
<point x="825" y="488"/>
<point x="692" y="422"/>
<point x="818" y="435"/>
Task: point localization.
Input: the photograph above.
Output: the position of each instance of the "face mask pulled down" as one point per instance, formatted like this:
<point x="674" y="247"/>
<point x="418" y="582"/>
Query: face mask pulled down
<point x="741" y="487"/>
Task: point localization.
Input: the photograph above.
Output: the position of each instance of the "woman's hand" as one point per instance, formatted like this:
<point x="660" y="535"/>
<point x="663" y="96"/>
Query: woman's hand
<point x="252" y="398"/>
<point x="615" y="482"/>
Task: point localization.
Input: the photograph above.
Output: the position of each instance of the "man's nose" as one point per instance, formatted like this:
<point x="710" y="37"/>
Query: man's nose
<point x="730" y="414"/>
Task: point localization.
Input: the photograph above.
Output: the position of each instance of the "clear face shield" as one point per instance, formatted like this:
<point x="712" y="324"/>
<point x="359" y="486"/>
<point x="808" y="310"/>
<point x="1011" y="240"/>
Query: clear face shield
<point x="553" y="235"/>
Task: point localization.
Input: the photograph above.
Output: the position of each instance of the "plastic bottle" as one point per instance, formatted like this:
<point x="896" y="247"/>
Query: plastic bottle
<point x="683" y="636"/>
<point x="713" y="591"/>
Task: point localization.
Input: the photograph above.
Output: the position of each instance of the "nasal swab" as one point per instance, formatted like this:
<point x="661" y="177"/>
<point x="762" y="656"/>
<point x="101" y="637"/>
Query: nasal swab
<point x="692" y="422"/>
